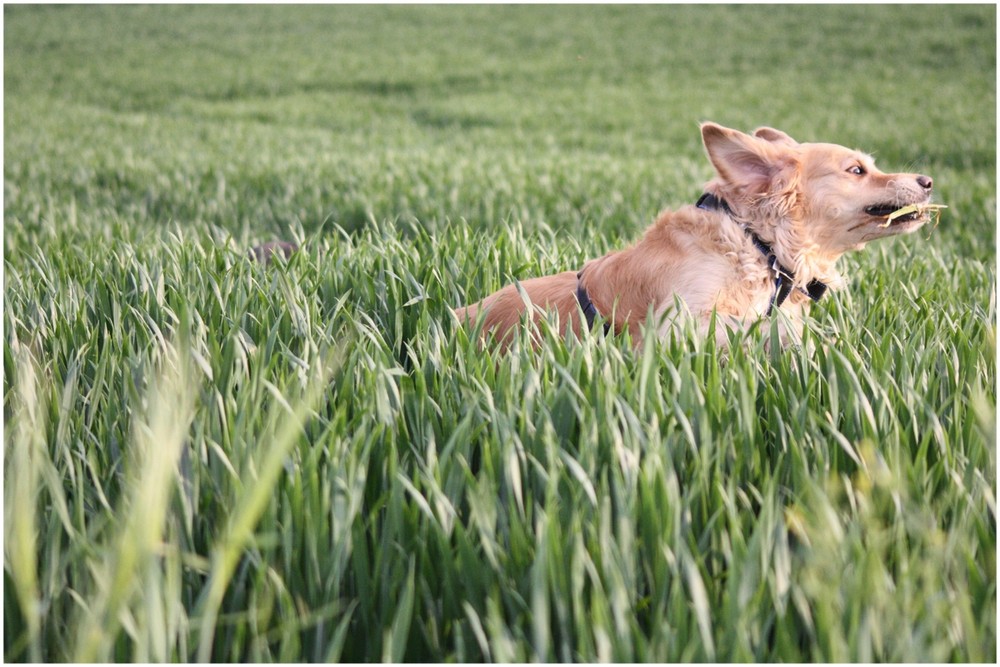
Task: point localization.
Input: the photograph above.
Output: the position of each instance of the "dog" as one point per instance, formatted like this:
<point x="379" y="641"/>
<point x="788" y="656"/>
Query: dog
<point x="765" y="236"/>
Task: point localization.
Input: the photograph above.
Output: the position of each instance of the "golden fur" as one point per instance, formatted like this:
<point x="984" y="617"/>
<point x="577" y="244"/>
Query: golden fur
<point x="808" y="201"/>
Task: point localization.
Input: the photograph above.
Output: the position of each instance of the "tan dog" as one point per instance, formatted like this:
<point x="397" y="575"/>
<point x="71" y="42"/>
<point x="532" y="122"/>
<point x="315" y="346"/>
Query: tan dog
<point x="765" y="235"/>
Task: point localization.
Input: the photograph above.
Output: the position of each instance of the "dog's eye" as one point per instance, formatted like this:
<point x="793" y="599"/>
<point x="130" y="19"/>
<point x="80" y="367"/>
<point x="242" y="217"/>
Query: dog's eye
<point x="857" y="170"/>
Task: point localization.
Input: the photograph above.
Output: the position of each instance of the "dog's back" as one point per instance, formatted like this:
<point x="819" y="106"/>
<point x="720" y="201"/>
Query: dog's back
<point x="502" y="311"/>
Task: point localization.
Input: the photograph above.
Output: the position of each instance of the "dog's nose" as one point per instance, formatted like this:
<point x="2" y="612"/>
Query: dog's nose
<point x="925" y="182"/>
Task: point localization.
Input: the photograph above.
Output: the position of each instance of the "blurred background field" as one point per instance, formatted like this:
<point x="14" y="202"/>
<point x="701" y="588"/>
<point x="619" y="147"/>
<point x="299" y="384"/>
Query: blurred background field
<point x="439" y="503"/>
<point x="254" y="119"/>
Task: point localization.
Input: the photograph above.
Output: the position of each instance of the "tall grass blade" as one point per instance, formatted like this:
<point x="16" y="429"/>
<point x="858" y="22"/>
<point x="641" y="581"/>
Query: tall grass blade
<point x="285" y="428"/>
<point x="131" y="567"/>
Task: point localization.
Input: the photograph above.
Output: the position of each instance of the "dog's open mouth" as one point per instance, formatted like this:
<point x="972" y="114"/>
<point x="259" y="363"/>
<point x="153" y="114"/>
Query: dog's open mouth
<point x="896" y="215"/>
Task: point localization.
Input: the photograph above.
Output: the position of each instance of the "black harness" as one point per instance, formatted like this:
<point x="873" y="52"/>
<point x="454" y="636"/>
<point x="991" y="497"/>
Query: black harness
<point x="784" y="279"/>
<point x="589" y="311"/>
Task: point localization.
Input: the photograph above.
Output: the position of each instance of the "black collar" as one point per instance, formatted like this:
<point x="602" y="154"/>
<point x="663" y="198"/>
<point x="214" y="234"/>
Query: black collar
<point x="783" y="278"/>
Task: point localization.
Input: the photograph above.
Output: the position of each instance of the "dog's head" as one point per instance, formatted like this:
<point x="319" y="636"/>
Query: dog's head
<point x="822" y="198"/>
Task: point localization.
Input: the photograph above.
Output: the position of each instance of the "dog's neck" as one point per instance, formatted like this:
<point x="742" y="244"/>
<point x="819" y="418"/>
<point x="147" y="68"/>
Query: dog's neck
<point x="784" y="277"/>
<point x="807" y="264"/>
<point x="713" y="202"/>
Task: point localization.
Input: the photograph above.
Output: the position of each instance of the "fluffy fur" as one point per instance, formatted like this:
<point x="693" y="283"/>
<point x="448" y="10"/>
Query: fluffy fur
<point x="811" y="202"/>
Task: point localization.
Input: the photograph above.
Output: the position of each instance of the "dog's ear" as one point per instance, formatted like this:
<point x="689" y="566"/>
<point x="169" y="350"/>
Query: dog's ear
<point x="745" y="162"/>
<point x="774" y="136"/>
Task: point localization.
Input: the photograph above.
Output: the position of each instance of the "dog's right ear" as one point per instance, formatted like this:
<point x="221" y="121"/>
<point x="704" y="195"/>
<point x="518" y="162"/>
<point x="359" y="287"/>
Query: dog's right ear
<point x="774" y="136"/>
<point x="745" y="163"/>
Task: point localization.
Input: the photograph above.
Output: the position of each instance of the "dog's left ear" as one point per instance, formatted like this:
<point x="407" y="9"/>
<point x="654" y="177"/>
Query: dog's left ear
<point x="774" y="136"/>
<point x="747" y="163"/>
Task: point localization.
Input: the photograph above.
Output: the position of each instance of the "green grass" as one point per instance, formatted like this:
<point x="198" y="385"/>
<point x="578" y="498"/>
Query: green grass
<point x="205" y="458"/>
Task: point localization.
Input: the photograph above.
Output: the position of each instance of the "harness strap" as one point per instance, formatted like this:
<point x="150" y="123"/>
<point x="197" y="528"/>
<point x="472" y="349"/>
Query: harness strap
<point x="589" y="310"/>
<point x="784" y="279"/>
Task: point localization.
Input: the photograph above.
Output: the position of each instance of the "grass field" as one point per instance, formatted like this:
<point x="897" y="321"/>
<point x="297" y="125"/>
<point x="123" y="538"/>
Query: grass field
<point x="205" y="458"/>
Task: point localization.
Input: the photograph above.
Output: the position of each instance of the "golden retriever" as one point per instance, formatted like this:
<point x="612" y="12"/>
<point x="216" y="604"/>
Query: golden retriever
<point x="766" y="235"/>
